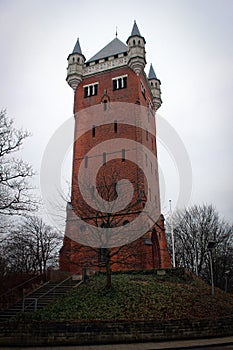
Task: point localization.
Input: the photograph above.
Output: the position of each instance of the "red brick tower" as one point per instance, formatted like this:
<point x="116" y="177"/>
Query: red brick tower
<point x="114" y="76"/>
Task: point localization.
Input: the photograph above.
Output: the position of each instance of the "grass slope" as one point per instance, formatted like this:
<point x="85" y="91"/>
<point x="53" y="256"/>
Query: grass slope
<point x="140" y="296"/>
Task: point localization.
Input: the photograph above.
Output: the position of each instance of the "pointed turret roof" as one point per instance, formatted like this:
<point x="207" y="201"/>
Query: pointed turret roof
<point x="135" y="30"/>
<point x="151" y="74"/>
<point x="77" y="48"/>
<point x="115" y="47"/>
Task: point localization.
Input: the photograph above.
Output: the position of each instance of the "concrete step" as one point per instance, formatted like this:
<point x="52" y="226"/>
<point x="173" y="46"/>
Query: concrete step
<point x="45" y="295"/>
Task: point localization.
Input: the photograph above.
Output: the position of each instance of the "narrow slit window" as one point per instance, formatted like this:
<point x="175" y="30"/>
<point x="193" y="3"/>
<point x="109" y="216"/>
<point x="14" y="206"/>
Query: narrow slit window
<point x="105" y="105"/>
<point x="102" y="254"/>
<point x="86" y="162"/>
<point x="104" y="158"/>
<point x="115" y="126"/>
<point x="86" y="91"/>
<point x="143" y="90"/>
<point x="123" y="155"/>
<point x="120" y="83"/>
<point x="95" y="89"/>
<point x="91" y="90"/>
<point x="114" y="84"/>
<point x="147" y="135"/>
<point x="115" y="188"/>
<point x="93" y="131"/>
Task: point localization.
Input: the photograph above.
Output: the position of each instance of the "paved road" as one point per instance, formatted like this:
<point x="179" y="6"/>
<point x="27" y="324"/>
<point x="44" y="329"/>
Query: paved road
<point x="214" y="347"/>
<point x="197" y="344"/>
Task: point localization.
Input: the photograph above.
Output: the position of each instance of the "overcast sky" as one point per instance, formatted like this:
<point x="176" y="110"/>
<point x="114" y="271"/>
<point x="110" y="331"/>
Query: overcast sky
<point x="189" y="42"/>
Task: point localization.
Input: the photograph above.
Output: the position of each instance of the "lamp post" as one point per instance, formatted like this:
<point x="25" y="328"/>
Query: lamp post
<point x="172" y="235"/>
<point x="226" y="278"/>
<point x="210" y="247"/>
<point x="195" y="251"/>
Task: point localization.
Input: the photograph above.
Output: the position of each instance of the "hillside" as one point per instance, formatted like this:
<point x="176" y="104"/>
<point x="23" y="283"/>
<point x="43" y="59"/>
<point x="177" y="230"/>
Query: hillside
<point x="140" y="296"/>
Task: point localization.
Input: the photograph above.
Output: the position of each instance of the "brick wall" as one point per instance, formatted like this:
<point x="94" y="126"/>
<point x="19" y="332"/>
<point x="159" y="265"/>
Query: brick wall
<point x="101" y="332"/>
<point x="75" y="256"/>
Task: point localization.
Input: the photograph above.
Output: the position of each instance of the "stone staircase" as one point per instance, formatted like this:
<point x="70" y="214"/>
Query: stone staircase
<point x="41" y="297"/>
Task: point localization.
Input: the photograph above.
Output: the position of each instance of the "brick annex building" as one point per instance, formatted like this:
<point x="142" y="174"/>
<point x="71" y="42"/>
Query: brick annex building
<point x="115" y="74"/>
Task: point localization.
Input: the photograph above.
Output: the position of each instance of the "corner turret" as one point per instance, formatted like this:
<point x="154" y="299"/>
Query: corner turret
<point x="75" y="66"/>
<point x="136" y="53"/>
<point x="155" y="83"/>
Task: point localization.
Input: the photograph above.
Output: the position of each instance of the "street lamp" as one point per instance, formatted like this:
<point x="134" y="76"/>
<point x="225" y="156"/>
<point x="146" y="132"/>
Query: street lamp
<point x="172" y="235"/>
<point x="226" y="278"/>
<point x="211" y="245"/>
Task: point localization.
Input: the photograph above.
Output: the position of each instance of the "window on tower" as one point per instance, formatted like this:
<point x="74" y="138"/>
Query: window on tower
<point x="105" y="105"/>
<point x="102" y="252"/>
<point x="115" y="126"/>
<point x="86" y="162"/>
<point x="126" y="222"/>
<point x="119" y="82"/>
<point x="104" y="158"/>
<point x="143" y="90"/>
<point x="90" y="90"/>
<point x="150" y="105"/>
<point x="123" y="155"/>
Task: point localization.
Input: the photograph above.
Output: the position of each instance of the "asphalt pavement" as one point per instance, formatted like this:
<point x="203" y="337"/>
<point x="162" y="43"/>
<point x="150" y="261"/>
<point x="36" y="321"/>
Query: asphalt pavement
<point x="212" y="343"/>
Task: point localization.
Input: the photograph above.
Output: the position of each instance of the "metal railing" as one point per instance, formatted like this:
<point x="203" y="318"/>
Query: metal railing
<point x="35" y="300"/>
<point x="11" y="296"/>
<point x="50" y="291"/>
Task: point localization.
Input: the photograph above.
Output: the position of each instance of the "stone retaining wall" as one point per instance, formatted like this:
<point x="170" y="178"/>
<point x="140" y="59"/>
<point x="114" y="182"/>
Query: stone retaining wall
<point x="76" y="333"/>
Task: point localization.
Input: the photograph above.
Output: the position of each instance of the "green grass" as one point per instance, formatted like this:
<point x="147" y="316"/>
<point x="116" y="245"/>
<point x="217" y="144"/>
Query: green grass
<point x="139" y="296"/>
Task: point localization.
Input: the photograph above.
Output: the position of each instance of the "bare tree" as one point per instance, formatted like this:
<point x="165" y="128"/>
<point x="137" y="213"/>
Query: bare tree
<point x="106" y="217"/>
<point x="15" y="196"/>
<point x="18" y="254"/>
<point x="32" y="247"/>
<point x="194" y="228"/>
<point x="45" y="242"/>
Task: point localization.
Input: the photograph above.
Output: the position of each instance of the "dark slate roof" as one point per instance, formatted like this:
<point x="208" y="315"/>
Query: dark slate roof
<point x="135" y="30"/>
<point x="113" y="48"/>
<point x="77" y="48"/>
<point x="151" y="74"/>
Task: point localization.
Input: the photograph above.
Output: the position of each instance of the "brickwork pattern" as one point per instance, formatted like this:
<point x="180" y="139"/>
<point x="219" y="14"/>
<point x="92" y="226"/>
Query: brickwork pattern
<point x="138" y="254"/>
